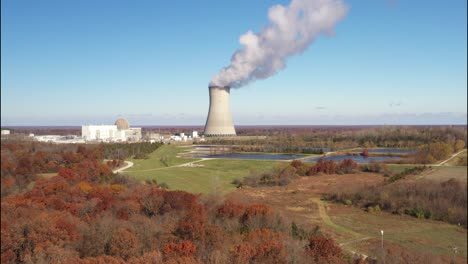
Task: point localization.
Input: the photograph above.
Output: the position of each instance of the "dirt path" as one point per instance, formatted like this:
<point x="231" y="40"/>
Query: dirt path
<point x="451" y="157"/>
<point x="355" y="240"/>
<point x="326" y="219"/>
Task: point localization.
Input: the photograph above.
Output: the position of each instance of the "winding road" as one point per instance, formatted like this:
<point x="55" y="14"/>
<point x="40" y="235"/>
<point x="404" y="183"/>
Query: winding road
<point x="129" y="164"/>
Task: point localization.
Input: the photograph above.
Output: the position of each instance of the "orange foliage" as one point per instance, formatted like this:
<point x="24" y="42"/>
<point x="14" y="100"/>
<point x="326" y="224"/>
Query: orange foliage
<point x="86" y="214"/>
<point x="365" y="153"/>
<point x="255" y="210"/>
<point x="260" y="246"/>
<point x="192" y="225"/>
<point x="85" y="187"/>
<point x="117" y="187"/>
<point x="182" y="248"/>
<point x="230" y="210"/>
<point x="124" y="244"/>
<point x="147" y="258"/>
<point x="323" y="249"/>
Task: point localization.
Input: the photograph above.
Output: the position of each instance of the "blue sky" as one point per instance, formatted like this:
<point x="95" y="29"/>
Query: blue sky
<point x="75" y="62"/>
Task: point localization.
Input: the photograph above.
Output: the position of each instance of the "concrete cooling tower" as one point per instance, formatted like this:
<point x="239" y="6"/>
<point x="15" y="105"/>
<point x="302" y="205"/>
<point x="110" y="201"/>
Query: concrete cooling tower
<point x="219" y="121"/>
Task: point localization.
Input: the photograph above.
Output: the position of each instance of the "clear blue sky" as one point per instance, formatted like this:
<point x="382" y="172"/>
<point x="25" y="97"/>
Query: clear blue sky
<point x="75" y="62"/>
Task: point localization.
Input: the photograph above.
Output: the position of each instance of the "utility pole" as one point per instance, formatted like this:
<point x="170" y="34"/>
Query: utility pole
<point x="383" y="254"/>
<point x="381" y="232"/>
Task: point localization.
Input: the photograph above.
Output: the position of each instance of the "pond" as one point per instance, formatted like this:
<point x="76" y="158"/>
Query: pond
<point x="358" y="159"/>
<point x="391" y="150"/>
<point x="253" y="156"/>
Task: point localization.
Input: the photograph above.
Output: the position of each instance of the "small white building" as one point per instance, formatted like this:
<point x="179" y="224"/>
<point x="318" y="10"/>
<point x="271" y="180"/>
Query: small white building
<point x="153" y="137"/>
<point x="194" y="134"/>
<point x="133" y="134"/>
<point x="58" y="139"/>
<point x="5" y="132"/>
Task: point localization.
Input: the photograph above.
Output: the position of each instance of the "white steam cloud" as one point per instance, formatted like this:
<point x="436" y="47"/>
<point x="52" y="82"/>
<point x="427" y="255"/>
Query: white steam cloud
<point x="291" y="30"/>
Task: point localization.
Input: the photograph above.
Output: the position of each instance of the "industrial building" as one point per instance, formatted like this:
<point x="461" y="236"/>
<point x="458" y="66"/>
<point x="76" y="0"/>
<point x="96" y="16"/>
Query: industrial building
<point x="119" y="132"/>
<point x="58" y="139"/>
<point x="219" y="122"/>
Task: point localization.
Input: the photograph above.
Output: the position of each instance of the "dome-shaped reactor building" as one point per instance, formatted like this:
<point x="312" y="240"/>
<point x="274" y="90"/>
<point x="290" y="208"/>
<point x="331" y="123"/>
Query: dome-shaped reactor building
<point x="122" y="124"/>
<point x="219" y="122"/>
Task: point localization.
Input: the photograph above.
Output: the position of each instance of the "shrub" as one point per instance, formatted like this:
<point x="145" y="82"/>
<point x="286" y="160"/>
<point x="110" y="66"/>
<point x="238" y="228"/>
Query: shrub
<point x="237" y="183"/>
<point x="406" y="172"/>
<point x="444" y="201"/>
<point x="324" y="250"/>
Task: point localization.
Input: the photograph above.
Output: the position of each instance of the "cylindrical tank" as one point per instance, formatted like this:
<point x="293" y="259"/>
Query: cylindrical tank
<point x="219" y="121"/>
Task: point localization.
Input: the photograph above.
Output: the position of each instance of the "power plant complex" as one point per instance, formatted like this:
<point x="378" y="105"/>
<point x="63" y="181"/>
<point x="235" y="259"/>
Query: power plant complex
<point x="119" y="132"/>
<point x="219" y="121"/>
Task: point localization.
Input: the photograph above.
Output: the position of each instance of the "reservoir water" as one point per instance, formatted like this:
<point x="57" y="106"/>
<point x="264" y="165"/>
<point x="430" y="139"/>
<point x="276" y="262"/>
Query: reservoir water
<point x="253" y="156"/>
<point x="358" y="159"/>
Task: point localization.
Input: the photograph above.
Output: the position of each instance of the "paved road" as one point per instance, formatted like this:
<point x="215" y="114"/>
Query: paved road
<point x="129" y="164"/>
<point x="180" y="165"/>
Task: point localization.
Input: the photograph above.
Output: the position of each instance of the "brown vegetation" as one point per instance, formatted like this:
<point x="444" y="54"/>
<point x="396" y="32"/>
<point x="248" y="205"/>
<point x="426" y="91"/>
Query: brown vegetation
<point x="86" y="214"/>
<point x="445" y="201"/>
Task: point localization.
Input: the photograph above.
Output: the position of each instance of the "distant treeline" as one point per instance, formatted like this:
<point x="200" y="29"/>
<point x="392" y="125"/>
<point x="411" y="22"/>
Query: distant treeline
<point x="432" y="143"/>
<point x="120" y="151"/>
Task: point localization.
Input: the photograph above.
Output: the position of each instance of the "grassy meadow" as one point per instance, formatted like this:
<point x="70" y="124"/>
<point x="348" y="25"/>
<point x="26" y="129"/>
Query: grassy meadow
<point x="213" y="175"/>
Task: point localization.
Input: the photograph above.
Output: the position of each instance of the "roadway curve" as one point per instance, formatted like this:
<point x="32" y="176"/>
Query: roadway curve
<point x="128" y="165"/>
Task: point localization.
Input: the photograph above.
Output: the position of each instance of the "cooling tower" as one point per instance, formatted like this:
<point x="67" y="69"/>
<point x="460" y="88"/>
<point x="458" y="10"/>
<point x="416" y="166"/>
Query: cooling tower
<point x="219" y="121"/>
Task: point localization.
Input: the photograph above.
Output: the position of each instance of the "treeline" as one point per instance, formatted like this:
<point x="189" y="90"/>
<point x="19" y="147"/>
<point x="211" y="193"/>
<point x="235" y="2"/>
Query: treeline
<point x="310" y="139"/>
<point x="121" y="151"/>
<point x="433" y="152"/>
<point x="86" y="214"/>
<point x="444" y="201"/>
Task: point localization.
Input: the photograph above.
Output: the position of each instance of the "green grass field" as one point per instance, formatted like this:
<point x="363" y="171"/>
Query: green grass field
<point x="165" y="156"/>
<point x="397" y="168"/>
<point x="214" y="175"/>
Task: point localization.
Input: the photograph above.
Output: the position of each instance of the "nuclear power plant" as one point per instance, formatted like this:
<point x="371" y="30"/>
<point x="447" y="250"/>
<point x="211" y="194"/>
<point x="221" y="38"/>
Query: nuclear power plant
<point x="219" y="121"/>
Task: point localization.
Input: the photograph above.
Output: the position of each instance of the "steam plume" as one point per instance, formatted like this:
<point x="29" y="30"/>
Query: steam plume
<point x="291" y="30"/>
